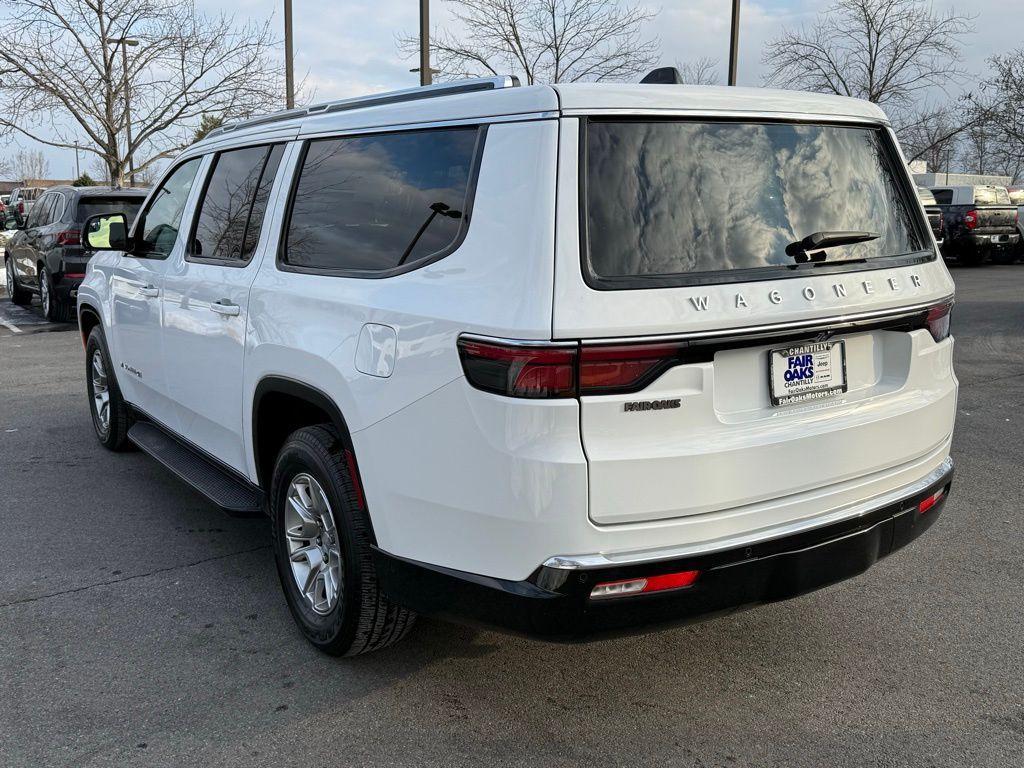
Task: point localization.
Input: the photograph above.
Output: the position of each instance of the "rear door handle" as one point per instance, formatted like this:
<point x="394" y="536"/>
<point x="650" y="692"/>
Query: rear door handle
<point x="149" y="291"/>
<point x="225" y="307"/>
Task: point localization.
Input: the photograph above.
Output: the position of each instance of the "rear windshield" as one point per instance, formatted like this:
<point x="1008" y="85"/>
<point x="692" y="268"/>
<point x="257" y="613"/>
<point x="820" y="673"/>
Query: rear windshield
<point x="94" y="206"/>
<point x="674" y="202"/>
<point x="991" y="196"/>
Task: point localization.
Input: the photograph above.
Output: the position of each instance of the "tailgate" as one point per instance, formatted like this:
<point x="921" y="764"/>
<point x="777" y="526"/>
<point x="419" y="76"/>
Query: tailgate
<point x="997" y="220"/>
<point x="725" y="446"/>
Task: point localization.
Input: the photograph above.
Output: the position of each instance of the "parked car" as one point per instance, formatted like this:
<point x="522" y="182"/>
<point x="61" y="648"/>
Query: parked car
<point x="19" y="206"/>
<point x="46" y="256"/>
<point x="933" y="212"/>
<point x="979" y="223"/>
<point x="556" y="359"/>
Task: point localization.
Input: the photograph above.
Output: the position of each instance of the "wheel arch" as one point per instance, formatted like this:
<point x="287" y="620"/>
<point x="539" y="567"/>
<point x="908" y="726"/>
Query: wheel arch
<point x="282" y="405"/>
<point x="88" y="318"/>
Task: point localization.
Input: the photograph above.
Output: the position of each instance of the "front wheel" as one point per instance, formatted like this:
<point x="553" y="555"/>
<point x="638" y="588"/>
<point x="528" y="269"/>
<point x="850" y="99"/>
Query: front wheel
<point x="18" y="295"/>
<point x="321" y="544"/>
<point x="110" y="415"/>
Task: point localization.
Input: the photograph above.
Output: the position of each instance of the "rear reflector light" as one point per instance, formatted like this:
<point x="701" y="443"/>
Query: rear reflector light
<point x="971" y="219"/>
<point x="75" y="275"/>
<point x="520" y="370"/>
<point x="69" y="237"/>
<point x="938" y="320"/>
<point x="663" y="583"/>
<point x="931" y="501"/>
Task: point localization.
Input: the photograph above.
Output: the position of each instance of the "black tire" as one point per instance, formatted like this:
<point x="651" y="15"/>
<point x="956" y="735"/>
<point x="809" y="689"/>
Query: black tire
<point x="114" y="436"/>
<point x="55" y="309"/>
<point x="17" y="294"/>
<point x="362" y="619"/>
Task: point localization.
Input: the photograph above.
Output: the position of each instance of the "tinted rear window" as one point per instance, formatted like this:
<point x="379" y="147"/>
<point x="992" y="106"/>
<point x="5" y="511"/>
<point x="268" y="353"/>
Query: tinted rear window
<point x="991" y="196"/>
<point x="95" y="206"/>
<point x="668" y="200"/>
<point x="381" y="202"/>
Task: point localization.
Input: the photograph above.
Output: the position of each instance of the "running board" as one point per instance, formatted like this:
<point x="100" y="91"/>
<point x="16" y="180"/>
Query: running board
<point x="231" y="494"/>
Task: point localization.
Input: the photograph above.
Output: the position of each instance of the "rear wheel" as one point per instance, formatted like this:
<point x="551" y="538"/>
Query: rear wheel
<point x="110" y="415"/>
<point x="322" y="548"/>
<point x="17" y="294"/>
<point x="55" y="309"/>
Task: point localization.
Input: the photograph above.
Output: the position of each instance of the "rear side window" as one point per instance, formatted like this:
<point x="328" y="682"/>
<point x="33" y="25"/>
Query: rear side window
<point x="375" y="204"/>
<point x="98" y="206"/>
<point x="943" y="196"/>
<point x="234" y="202"/>
<point x="674" y="202"/>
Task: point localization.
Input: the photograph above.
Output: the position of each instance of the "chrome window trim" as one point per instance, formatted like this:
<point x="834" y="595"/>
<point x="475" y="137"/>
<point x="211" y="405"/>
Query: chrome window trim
<point x="601" y="560"/>
<point x="723" y="113"/>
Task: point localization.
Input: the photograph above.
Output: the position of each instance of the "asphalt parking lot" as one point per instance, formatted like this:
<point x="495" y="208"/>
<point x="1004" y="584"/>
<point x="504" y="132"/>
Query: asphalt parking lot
<point x="138" y="626"/>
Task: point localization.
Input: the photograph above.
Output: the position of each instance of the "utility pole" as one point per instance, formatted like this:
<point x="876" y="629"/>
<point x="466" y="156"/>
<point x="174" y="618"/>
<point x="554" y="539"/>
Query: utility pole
<point x="289" y="57"/>
<point x="78" y="171"/>
<point x="124" y="42"/>
<point x="426" y="76"/>
<point x="734" y="42"/>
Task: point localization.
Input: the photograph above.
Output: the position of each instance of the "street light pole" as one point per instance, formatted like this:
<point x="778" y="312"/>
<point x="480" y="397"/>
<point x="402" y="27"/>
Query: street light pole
<point x="425" y="73"/>
<point x="289" y="59"/>
<point x="734" y="42"/>
<point x="124" y="42"/>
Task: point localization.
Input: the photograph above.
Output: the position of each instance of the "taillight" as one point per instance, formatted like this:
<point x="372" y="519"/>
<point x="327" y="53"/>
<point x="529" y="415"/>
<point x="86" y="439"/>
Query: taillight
<point x="621" y="368"/>
<point x="938" y="320"/>
<point x="69" y="237"/>
<point x="971" y="219"/>
<point x="520" y="370"/>
<point x="21" y="207"/>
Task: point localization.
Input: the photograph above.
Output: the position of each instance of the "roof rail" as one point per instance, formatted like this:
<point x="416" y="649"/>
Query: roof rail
<point x="376" y="100"/>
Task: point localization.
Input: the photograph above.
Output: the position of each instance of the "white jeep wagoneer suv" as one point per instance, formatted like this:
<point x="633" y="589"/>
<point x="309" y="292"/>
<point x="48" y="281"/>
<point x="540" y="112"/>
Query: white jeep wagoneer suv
<point x="556" y="359"/>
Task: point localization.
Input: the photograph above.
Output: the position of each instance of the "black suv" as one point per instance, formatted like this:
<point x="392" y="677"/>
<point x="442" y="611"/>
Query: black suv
<point x="46" y="256"/>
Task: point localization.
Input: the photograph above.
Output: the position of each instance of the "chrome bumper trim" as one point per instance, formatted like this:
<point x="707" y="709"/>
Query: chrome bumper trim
<point x="604" y="560"/>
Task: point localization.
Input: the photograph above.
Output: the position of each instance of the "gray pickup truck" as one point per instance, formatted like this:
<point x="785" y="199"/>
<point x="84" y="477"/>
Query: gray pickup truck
<point x="980" y="222"/>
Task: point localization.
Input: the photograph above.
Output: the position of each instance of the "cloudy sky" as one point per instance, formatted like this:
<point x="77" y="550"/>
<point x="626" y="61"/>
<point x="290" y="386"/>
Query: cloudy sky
<point x="347" y="47"/>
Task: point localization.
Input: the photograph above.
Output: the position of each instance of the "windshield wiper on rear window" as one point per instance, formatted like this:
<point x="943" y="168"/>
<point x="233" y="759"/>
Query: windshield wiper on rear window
<point x="811" y="248"/>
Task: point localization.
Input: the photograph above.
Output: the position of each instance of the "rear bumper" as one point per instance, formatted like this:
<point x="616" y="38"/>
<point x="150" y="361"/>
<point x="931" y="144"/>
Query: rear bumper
<point x="1003" y="240"/>
<point x="554" y="603"/>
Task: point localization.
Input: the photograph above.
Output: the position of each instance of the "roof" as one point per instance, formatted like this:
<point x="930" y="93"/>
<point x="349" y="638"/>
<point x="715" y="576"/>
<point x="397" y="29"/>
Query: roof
<point x="498" y="97"/>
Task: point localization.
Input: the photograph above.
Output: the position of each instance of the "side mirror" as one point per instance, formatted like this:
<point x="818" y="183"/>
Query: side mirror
<point x="106" y="232"/>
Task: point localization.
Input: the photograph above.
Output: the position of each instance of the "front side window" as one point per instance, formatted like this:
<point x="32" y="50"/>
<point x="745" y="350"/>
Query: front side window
<point x="382" y="202"/>
<point x="671" y="201"/>
<point x="158" y="227"/>
<point x="232" y="208"/>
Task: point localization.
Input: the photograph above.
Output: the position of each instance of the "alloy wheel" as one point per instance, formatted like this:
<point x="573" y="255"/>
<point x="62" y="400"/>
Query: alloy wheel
<point x="100" y="391"/>
<point x="9" y="272"/>
<point x="314" y="548"/>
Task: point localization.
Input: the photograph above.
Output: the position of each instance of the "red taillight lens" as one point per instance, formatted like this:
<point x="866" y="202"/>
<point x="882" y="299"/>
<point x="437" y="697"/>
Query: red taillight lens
<point x="520" y="370"/>
<point x="624" y="367"/>
<point x="931" y="501"/>
<point x="971" y="219"/>
<point x="21" y="207"/>
<point x="938" y="321"/>
<point x="643" y="586"/>
<point x="69" y="237"/>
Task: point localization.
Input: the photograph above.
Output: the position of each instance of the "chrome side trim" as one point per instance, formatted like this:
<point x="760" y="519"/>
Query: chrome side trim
<point x="834" y="322"/>
<point x="602" y="560"/>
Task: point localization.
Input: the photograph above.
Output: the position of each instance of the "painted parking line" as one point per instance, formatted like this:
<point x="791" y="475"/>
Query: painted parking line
<point x="10" y="326"/>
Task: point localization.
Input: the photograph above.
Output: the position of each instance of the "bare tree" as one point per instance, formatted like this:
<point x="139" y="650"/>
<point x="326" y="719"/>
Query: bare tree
<point x="999" y="108"/>
<point x="63" y="75"/>
<point x="550" y="41"/>
<point x="30" y="164"/>
<point x="885" y="51"/>
<point x="932" y="133"/>
<point x="700" y="71"/>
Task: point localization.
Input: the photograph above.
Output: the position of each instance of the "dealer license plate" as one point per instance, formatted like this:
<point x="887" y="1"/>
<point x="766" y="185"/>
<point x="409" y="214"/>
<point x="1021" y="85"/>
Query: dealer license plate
<point x="807" y="372"/>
